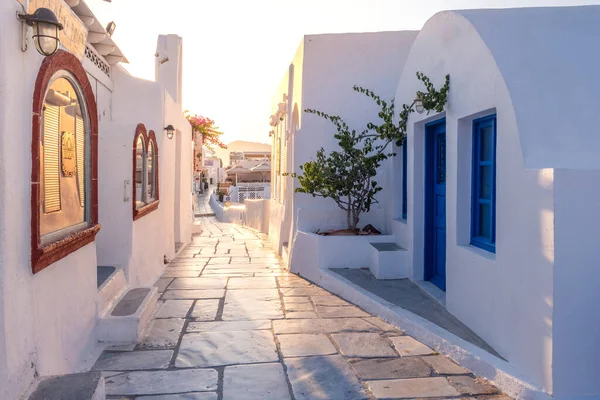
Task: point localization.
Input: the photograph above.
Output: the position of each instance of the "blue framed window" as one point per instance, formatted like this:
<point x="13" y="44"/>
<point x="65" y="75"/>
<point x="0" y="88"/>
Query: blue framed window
<point x="483" y="190"/>
<point x="404" y="176"/>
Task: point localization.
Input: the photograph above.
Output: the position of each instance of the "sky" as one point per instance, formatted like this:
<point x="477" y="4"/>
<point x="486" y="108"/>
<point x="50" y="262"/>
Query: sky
<point x="236" y="52"/>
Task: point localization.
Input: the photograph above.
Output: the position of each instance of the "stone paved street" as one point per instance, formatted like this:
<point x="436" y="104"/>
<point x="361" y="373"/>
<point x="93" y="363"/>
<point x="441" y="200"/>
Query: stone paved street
<point x="232" y="324"/>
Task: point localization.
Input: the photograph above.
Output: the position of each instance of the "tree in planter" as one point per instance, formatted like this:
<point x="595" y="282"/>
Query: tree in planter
<point x="348" y="176"/>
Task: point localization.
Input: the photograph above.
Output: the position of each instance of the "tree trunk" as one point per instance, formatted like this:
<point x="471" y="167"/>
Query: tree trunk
<point x="355" y="219"/>
<point x="349" y="214"/>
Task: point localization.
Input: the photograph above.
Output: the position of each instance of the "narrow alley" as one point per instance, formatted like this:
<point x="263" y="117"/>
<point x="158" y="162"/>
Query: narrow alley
<point x="233" y="324"/>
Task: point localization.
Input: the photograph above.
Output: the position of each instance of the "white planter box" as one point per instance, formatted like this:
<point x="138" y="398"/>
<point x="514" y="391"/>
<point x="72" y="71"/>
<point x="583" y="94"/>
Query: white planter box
<point x="312" y="253"/>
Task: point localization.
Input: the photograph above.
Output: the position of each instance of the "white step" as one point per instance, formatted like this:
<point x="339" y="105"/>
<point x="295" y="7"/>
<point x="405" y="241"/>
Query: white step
<point x="110" y="292"/>
<point x="389" y="261"/>
<point x="82" y="386"/>
<point x="128" y="319"/>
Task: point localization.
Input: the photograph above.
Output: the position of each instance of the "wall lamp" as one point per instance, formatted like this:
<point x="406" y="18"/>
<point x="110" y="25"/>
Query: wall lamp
<point x="46" y="27"/>
<point x="419" y="104"/>
<point x="170" y="131"/>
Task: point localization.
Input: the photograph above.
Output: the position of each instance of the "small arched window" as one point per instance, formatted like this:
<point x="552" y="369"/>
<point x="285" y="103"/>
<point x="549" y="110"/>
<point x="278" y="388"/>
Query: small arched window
<point x="145" y="172"/>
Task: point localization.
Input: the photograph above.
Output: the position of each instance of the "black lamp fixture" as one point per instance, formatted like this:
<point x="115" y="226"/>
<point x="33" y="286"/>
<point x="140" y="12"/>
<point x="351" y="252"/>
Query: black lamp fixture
<point x="45" y="30"/>
<point x="170" y="131"/>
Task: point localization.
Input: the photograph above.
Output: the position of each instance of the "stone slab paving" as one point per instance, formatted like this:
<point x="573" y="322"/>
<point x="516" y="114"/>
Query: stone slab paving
<point x="256" y="382"/>
<point x="233" y="324"/>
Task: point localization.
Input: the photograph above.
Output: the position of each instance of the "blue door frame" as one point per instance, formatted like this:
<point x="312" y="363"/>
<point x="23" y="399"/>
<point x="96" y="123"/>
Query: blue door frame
<point x="435" y="203"/>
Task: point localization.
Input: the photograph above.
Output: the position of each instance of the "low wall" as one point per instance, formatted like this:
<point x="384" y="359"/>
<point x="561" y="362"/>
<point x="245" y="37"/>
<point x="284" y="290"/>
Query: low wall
<point x="312" y="253"/>
<point x="257" y="214"/>
<point x="253" y="213"/>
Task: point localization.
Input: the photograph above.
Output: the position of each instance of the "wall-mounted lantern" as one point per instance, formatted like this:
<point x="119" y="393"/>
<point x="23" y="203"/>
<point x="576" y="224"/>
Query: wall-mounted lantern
<point x="45" y="26"/>
<point x="419" y="104"/>
<point x="170" y="131"/>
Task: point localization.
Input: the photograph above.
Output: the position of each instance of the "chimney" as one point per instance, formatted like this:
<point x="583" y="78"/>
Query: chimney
<point x="168" y="65"/>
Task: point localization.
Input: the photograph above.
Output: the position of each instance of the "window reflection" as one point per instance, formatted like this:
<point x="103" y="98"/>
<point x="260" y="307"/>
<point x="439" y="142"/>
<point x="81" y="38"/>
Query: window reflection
<point x="140" y="192"/>
<point x="150" y="196"/>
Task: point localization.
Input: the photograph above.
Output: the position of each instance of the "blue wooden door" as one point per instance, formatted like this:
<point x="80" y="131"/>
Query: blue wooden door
<point x="435" y="208"/>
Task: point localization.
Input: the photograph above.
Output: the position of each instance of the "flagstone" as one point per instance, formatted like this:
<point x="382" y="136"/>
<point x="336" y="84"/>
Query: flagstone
<point x="443" y="365"/>
<point x="296" y="300"/>
<point x="229" y="326"/>
<point x="193" y="294"/>
<point x="391" y="368"/>
<point x="311" y="291"/>
<point x="359" y="344"/>
<point x="199" y="283"/>
<point x="252" y="304"/>
<point x="412" y="388"/>
<point x="471" y="386"/>
<point x="384" y="326"/>
<point x="219" y="260"/>
<point x="407" y="346"/>
<point x="162" y="284"/>
<point x="174" y="309"/>
<point x="161" y="382"/>
<point x="255" y="382"/>
<point x="339" y="311"/>
<point x="288" y="281"/>
<point x="322" y="325"/>
<point x="323" y="378"/>
<point x="135" y="360"/>
<point x="329" y="300"/>
<point x="303" y="345"/>
<point x="301" y="314"/>
<point x="209" y="349"/>
<point x="163" y="334"/>
<point x="251" y="283"/>
<point x="174" y="273"/>
<point x="291" y="307"/>
<point x="205" y="310"/>
<point x="183" y="396"/>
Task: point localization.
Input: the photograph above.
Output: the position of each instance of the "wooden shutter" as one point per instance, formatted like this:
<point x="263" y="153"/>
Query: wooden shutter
<point x="51" y="143"/>
<point x="80" y="148"/>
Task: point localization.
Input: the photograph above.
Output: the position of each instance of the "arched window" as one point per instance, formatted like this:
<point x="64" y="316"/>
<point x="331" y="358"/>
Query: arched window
<point x="64" y="215"/>
<point x="145" y="172"/>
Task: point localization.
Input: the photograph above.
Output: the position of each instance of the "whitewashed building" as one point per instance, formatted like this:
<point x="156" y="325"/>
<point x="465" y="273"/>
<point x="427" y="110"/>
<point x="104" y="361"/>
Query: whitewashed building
<point x="319" y="77"/>
<point x="493" y="203"/>
<point x="77" y="135"/>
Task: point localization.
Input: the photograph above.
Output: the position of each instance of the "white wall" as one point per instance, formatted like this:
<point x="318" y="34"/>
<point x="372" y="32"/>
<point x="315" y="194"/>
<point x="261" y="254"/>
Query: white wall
<point x="505" y="298"/>
<point x="554" y="62"/>
<point x="141" y="246"/>
<point x="333" y="64"/>
<point x="46" y="319"/>
<point x="576" y="325"/>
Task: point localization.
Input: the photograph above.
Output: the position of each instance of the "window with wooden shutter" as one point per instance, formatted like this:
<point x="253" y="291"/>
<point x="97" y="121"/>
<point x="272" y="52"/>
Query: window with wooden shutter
<point x="60" y="224"/>
<point x="80" y="145"/>
<point x="63" y="171"/>
<point x="51" y="159"/>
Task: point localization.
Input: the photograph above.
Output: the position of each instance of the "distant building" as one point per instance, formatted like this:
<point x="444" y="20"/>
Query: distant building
<point x="243" y="150"/>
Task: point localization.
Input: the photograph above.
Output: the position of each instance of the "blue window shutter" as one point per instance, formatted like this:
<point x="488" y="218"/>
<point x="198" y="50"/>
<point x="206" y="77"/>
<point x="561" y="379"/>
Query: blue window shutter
<point x="404" y="180"/>
<point x="483" y="187"/>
